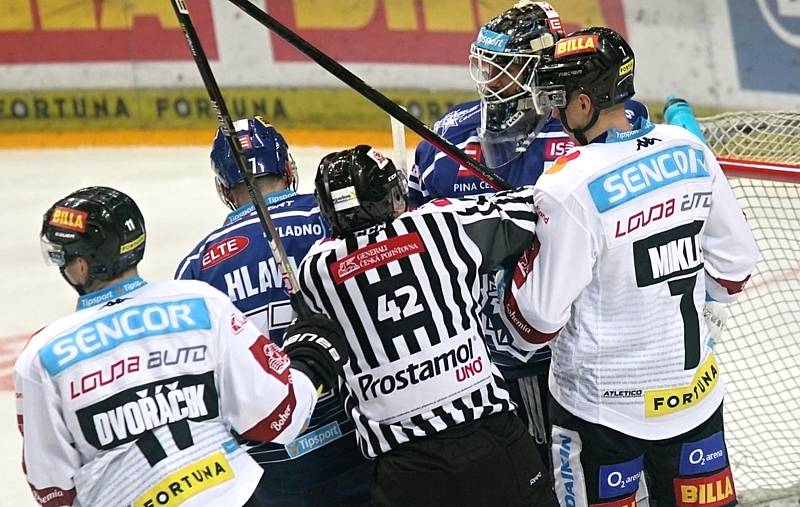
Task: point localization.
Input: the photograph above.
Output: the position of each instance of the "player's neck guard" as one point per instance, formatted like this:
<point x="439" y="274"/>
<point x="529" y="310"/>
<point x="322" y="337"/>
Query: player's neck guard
<point x="110" y="293"/>
<point x="270" y="198"/>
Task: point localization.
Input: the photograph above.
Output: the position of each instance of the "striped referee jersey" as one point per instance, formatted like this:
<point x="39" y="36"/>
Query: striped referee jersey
<point x="235" y="258"/>
<point x="407" y="295"/>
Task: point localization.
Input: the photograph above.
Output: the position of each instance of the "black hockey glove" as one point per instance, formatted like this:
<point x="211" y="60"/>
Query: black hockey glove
<point x="317" y="347"/>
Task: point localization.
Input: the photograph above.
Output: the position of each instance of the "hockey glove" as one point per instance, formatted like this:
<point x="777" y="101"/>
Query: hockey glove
<point x="317" y="347"/>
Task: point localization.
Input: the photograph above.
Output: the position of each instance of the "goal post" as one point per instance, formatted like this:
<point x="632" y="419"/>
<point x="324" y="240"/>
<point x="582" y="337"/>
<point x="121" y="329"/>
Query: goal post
<point x="759" y="351"/>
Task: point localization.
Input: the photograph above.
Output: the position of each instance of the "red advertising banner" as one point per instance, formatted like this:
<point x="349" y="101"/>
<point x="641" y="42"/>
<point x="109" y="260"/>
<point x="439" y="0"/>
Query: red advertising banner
<point x="412" y="31"/>
<point x="68" y="31"/>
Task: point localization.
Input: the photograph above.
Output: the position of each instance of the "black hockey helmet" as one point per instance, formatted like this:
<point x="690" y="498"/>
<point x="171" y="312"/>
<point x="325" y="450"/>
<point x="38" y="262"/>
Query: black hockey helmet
<point x="102" y="225"/>
<point x="358" y="188"/>
<point x="597" y="61"/>
<point x="502" y="60"/>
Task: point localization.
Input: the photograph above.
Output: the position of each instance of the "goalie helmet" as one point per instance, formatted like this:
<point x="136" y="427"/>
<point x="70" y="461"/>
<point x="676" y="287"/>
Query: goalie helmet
<point x="502" y="60"/>
<point x="102" y="225"/>
<point x="264" y="149"/>
<point x="358" y="188"/>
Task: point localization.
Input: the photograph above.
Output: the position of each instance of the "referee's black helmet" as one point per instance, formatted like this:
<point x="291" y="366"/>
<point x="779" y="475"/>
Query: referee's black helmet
<point x="358" y="188"/>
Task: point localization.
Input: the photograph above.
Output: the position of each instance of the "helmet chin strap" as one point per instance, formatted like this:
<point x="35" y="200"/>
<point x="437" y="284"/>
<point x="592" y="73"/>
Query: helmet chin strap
<point x="82" y="289"/>
<point x="578" y="134"/>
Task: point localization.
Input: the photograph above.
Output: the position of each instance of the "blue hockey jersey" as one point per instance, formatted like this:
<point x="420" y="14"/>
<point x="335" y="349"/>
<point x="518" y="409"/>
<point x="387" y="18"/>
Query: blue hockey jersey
<point x="236" y="259"/>
<point x="434" y="175"/>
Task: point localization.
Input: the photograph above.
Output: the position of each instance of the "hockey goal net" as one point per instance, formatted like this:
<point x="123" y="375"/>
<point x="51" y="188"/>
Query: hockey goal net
<point x="760" y="349"/>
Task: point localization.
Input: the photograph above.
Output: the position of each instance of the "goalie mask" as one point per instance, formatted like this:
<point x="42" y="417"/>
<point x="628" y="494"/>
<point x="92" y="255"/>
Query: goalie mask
<point x="359" y="188"/>
<point x="99" y="224"/>
<point x="502" y="60"/>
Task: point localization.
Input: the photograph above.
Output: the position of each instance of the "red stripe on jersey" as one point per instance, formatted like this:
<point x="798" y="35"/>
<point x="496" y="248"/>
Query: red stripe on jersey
<point x="53" y="497"/>
<point x="376" y="255"/>
<point x="731" y="286"/>
<point x="271" y="358"/>
<point x="525" y="263"/>
<point x="521" y="271"/>
<point x="710" y="491"/>
<point x="278" y="420"/>
<point x="515" y="318"/>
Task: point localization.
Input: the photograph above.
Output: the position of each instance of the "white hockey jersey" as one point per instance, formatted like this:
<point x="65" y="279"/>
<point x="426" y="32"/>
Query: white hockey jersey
<point x="131" y="402"/>
<point x="632" y="234"/>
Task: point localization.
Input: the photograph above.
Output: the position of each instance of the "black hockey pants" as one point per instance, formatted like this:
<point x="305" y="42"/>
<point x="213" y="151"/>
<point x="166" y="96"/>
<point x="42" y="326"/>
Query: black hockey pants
<point x="489" y="462"/>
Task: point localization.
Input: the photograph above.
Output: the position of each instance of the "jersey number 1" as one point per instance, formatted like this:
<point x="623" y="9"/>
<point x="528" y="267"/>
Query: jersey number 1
<point x="684" y="287"/>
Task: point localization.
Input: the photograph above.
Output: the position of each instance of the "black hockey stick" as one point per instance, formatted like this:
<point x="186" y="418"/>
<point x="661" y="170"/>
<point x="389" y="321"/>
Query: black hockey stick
<point x="228" y="130"/>
<point x="372" y="94"/>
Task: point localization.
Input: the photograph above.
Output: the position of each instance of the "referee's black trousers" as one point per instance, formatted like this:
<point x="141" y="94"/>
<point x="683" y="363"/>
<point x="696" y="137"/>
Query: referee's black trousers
<point x="489" y="462"/>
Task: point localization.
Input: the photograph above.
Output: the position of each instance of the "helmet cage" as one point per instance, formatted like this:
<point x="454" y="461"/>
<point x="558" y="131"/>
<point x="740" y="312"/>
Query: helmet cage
<point x="502" y="62"/>
<point x="501" y="77"/>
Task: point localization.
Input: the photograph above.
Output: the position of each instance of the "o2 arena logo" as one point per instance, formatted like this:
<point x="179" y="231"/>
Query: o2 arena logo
<point x="783" y="18"/>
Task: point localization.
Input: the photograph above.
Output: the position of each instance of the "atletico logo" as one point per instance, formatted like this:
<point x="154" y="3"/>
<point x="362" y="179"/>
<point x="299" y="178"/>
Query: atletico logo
<point x="576" y="45"/>
<point x="68" y="218"/>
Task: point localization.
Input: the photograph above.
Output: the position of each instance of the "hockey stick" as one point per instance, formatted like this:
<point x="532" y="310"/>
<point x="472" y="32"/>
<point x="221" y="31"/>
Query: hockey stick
<point x="226" y="126"/>
<point x="399" y="144"/>
<point x="372" y="94"/>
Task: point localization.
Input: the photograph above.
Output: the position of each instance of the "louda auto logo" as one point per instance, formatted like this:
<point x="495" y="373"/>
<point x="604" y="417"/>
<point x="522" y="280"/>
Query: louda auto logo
<point x="127" y="415"/>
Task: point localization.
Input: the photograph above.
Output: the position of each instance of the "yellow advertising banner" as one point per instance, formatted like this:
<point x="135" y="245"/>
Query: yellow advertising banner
<point x="307" y="108"/>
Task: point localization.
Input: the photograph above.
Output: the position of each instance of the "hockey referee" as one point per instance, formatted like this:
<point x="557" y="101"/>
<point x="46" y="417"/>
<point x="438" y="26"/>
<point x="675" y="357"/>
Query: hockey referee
<point x="405" y="287"/>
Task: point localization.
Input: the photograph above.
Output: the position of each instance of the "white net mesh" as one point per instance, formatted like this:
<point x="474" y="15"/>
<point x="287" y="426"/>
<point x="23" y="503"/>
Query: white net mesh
<point x="760" y="350"/>
<point x="759" y="136"/>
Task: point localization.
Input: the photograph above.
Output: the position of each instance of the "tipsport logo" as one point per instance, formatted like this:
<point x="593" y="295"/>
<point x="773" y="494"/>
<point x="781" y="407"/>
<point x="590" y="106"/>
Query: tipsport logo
<point x="491" y="41"/>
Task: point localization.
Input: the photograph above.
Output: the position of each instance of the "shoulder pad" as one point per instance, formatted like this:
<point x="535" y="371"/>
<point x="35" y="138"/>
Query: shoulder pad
<point x="566" y="173"/>
<point x="440" y="205"/>
<point x="635" y="109"/>
<point x="323" y="245"/>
